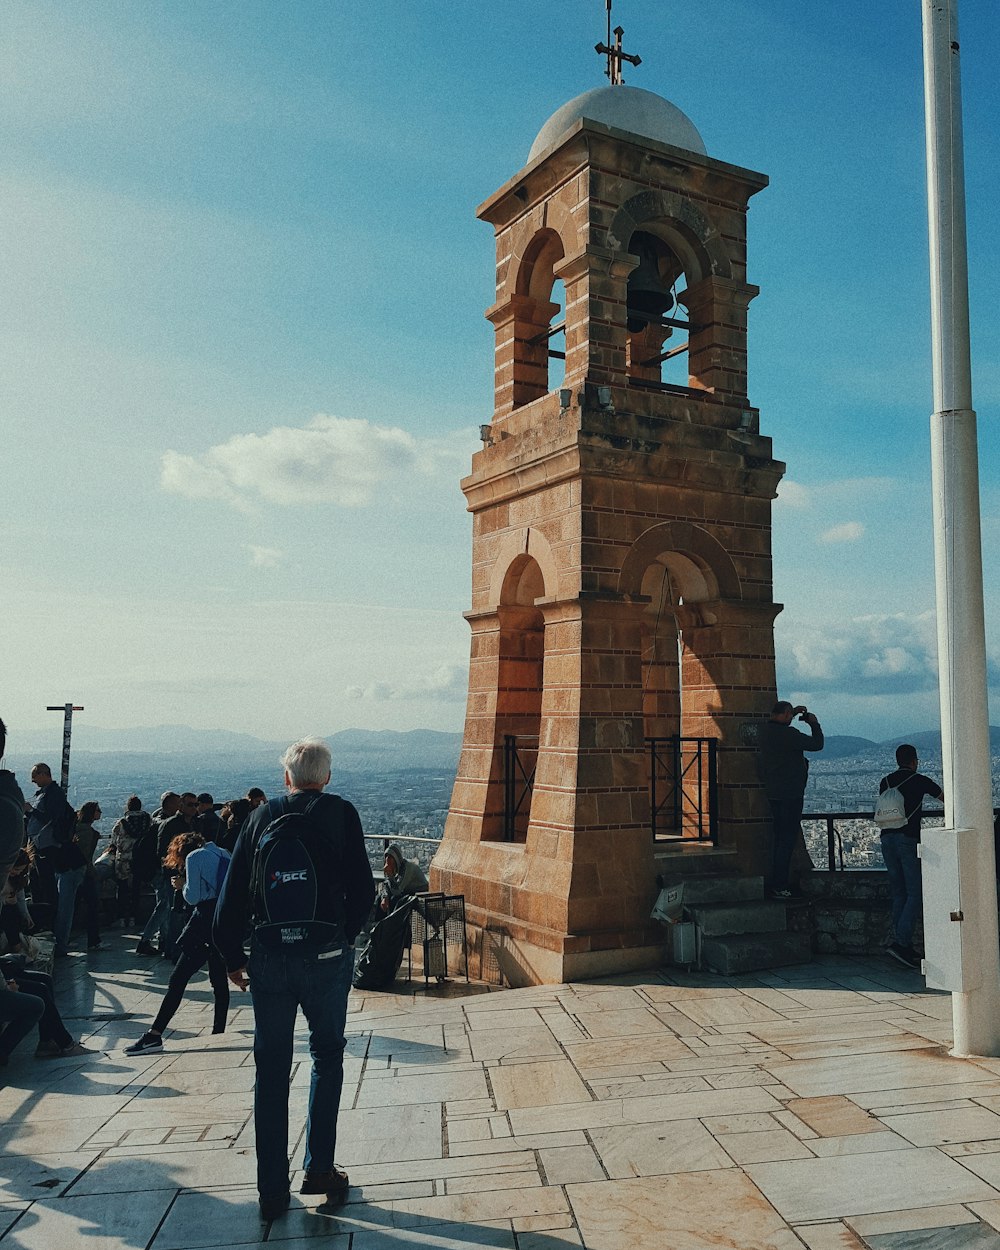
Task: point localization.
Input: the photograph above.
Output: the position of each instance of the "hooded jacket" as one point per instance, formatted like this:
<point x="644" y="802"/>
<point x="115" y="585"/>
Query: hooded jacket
<point x="409" y="879"/>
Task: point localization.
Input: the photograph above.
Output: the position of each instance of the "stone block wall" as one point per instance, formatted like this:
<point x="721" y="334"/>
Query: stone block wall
<point x="849" y="913"/>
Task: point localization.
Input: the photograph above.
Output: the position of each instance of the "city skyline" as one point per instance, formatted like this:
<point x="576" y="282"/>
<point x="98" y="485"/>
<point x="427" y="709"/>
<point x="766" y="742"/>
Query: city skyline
<point x="247" y="360"/>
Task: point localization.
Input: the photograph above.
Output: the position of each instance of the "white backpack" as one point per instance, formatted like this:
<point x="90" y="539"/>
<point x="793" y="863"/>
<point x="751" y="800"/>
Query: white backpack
<point x="890" y="808"/>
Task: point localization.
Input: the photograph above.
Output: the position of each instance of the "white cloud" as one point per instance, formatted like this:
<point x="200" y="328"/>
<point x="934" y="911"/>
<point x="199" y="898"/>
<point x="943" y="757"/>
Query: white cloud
<point x="264" y="557"/>
<point x="869" y="655"/>
<point x="847" y="532"/>
<point x="339" y="460"/>
<point x="793" y="494"/>
<point x="446" y="683"/>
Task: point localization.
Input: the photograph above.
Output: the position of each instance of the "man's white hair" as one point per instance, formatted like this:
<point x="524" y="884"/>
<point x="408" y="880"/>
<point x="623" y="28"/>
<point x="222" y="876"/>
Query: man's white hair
<point x="308" y="762"/>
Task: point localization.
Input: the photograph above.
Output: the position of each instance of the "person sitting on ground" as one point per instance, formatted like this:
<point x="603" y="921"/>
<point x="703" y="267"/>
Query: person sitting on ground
<point x="54" y="1039"/>
<point x="20" y="1013"/>
<point x="256" y="796"/>
<point x="131" y="873"/>
<point x="403" y="877"/>
<point x="15" y="918"/>
<point x="199" y="869"/>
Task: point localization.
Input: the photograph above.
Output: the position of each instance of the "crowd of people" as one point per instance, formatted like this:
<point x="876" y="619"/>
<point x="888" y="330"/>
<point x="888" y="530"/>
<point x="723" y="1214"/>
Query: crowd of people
<point x="288" y="878"/>
<point x="171" y="861"/>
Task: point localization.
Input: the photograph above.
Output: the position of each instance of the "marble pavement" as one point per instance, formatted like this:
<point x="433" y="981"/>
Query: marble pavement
<point x="811" y="1107"/>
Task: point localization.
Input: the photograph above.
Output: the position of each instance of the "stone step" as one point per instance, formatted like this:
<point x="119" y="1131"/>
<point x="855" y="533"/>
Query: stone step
<point x="751" y="952"/>
<point x="764" y="916"/>
<point x="684" y="859"/>
<point x="701" y="890"/>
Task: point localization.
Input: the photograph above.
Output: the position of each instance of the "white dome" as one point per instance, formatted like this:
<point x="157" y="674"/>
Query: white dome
<point x="626" y="108"/>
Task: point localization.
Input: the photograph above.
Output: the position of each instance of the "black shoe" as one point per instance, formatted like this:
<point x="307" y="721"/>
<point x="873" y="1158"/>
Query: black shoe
<point x="334" y="1184"/>
<point x="271" y="1208"/>
<point x="96" y="946"/>
<point x="144" y="948"/>
<point x="148" y="1041"/>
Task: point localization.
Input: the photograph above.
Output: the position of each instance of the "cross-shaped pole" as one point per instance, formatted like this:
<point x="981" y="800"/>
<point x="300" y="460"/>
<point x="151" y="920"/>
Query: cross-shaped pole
<point x="614" y="53"/>
<point x="67" y="710"/>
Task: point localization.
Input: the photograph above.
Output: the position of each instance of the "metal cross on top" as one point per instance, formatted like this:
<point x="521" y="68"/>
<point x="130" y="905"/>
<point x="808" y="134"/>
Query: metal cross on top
<point x="614" y="53"/>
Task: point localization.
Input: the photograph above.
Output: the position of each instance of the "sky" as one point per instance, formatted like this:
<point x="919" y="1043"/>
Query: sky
<point x="243" y="359"/>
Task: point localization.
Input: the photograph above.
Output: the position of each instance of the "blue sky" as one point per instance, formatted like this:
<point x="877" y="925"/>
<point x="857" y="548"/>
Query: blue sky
<point x="244" y="357"/>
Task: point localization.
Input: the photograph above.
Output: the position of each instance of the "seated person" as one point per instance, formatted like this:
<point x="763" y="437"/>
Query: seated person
<point x="54" y="1041"/>
<point x="15" y="918"/>
<point x="403" y="877"/>
<point x="20" y="1013"/>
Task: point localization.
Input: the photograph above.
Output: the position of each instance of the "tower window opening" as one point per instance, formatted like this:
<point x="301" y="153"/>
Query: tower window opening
<point x="657" y="328"/>
<point x="557" y="337"/>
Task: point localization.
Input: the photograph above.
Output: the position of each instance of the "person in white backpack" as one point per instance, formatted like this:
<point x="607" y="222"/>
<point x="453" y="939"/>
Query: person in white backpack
<point x="899" y="850"/>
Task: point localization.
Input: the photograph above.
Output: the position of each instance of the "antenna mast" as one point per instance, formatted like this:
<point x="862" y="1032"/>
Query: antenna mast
<point x="614" y="52"/>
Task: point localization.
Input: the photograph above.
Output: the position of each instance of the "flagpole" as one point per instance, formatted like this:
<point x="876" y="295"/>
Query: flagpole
<point x="965" y="740"/>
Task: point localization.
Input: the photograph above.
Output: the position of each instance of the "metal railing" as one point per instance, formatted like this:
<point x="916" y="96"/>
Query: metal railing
<point x="520" y="759"/>
<point x="834" y="839"/>
<point x="684" y="788"/>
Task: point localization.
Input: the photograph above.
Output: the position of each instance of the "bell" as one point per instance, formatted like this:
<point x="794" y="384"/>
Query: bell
<point x="649" y="298"/>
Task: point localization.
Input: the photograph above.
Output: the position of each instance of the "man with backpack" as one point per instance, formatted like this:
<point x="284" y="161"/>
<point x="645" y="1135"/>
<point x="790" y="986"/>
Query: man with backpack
<point x="301" y="880"/>
<point x="898" y="812"/>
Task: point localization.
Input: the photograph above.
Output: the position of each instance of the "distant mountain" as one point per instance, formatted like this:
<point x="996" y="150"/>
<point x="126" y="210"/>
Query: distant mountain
<point x="843" y="746"/>
<point x="369" y="750"/>
<point x="190" y="751"/>
<point x="152" y="740"/>
<point x="930" y="740"/>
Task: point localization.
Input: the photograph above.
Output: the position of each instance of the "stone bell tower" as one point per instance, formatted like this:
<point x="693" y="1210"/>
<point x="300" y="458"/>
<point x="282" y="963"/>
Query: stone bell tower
<point x="621" y="580"/>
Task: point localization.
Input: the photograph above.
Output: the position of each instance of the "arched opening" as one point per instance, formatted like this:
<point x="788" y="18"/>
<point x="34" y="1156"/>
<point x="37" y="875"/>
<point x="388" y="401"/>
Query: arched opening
<point x="539" y="319"/>
<point x="681" y="765"/>
<point x="657" y="342"/>
<point x="519" y="700"/>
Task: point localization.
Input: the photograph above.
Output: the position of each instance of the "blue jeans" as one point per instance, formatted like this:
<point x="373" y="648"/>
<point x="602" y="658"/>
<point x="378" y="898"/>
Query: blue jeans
<point x="280" y="983"/>
<point x="159" y="919"/>
<point x="67" y="884"/>
<point x="899" y="851"/>
<point x="787" y="816"/>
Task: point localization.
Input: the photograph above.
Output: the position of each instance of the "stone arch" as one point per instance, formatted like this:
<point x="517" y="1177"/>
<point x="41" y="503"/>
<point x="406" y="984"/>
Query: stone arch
<point x="697" y="562"/>
<point x="511" y="579"/>
<point x="681" y="225"/>
<point x="549" y="219"/>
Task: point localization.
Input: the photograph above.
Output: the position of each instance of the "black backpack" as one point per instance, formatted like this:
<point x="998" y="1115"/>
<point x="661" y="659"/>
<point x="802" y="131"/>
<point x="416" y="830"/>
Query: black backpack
<point x="296" y="892"/>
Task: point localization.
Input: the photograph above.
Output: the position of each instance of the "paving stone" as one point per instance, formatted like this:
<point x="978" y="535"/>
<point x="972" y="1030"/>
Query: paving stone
<point x="689" y="1211"/>
<point x="816" y="1189"/>
<point x="95" y="1221"/>
<point x="629" y="1150"/>
<point x="537" y="1085"/>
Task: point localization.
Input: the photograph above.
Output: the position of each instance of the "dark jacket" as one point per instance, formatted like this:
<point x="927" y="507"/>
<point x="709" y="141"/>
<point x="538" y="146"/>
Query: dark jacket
<point x="48" y="815"/>
<point x="410" y="878"/>
<point x="781" y="765"/>
<point x="233" y="909"/>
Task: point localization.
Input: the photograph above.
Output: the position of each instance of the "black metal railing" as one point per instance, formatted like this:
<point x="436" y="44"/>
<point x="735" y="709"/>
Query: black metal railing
<point x="684" y="788"/>
<point x="835" y="860"/>
<point x="520" y="759"/>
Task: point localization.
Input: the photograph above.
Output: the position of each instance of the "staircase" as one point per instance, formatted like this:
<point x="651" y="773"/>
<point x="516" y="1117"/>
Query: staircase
<point x="738" y="929"/>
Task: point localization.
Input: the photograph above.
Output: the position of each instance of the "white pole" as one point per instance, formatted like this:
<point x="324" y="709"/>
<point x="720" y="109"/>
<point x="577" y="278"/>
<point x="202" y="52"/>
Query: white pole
<point x="965" y="745"/>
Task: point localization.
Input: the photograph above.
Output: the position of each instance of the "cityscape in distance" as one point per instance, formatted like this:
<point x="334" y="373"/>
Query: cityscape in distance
<point x="401" y="782"/>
